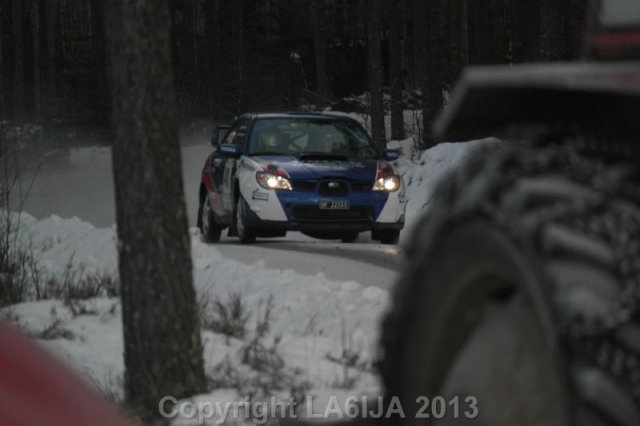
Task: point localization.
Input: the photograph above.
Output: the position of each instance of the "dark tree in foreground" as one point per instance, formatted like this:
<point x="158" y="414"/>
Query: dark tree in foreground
<point x="163" y="351"/>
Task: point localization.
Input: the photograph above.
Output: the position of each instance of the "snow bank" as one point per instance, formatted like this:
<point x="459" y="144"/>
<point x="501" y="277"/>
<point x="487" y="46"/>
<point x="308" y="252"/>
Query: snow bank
<point x="423" y="175"/>
<point x="315" y="321"/>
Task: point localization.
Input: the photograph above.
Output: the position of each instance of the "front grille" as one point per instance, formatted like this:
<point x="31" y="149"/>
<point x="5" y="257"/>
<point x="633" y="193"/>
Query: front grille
<point x="304" y="185"/>
<point x="340" y="188"/>
<point x="361" y="186"/>
<point x="324" y="189"/>
<point x="316" y="214"/>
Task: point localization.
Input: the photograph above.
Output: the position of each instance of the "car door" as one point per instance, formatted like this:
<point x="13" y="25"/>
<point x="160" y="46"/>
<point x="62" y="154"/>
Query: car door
<point x="217" y="165"/>
<point x="217" y="160"/>
<point x="236" y="137"/>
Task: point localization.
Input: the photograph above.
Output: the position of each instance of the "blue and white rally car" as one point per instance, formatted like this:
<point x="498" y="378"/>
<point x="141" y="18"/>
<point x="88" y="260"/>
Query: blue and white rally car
<point x="319" y="174"/>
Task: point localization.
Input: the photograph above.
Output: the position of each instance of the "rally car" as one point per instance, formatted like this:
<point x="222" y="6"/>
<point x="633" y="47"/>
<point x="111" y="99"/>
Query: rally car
<point x="319" y="174"/>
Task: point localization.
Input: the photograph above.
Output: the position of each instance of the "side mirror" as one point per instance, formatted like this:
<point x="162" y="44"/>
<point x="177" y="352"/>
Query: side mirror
<point x="391" y="154"/>
<point x="219" y="133"/>
<point x="228" y="150"/>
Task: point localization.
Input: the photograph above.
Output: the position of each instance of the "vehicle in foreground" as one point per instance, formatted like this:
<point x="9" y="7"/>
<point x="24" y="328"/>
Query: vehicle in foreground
<point x="521" y="293"/>
<point x="37" y="389"/>
<point x="319" y="174"/>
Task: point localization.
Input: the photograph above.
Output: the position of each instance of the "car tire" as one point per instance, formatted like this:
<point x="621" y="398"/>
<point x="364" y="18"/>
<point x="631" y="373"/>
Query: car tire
<point x="245" y="233"/>
<point x="350" y="237"/>
<point x="538" y="245"/>
<point x="210" y="230"/>
<point x="388" y="236"/>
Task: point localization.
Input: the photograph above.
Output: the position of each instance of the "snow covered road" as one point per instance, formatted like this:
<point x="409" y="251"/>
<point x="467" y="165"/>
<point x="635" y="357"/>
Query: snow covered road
<point x="367" y="263"/>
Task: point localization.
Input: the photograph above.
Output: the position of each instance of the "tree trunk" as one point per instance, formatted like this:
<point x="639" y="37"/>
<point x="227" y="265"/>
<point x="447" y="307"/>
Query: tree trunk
<point x="455" y="40"/>
<point x="552" y="45"/>
<point x="35" y="36"/>
<point x="43" y="54"/>
<point x="376" y="76"/>
<point x="3" y="86"/>
<point x="213" y="57"/>
<point x="18" y="70"/>
<point x="434" y="47"/>
<point x="320" y="43"/>
<point x="395" y="69"/>
<point x="99" y="53"/>
<point x="464" y="33"/>
<point x="237" y="31"/>
<point x="53" y="24"/>
<point x="561" y="28"/>
<point x="162" y="345"/>
<point x="421" y="52"/>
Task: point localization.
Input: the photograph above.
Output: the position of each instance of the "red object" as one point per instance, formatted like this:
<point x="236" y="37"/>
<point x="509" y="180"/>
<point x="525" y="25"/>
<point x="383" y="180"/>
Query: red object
<point x="616" y="44"/>
<point x="37" y="390"/>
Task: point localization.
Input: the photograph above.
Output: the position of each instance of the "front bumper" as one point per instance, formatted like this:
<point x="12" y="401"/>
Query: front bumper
<point x="273" y="213"/>
<point x="277" y="227"/>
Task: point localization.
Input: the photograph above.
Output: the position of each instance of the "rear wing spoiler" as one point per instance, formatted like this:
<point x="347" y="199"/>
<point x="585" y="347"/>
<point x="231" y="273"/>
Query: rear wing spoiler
<point x="601" y="97"/>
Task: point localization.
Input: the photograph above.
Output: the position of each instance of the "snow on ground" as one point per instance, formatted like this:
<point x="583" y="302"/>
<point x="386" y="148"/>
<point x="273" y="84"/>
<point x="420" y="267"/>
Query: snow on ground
<point x="316" y="323"/>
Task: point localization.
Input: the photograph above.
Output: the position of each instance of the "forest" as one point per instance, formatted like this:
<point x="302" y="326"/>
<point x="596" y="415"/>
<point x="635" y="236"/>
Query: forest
<point x="230" y="57"/>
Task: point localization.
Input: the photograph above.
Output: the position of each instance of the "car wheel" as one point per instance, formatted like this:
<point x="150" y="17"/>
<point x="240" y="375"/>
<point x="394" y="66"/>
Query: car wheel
<point x="350" y="237"/>
<point x="518" y="293"/>
<point x="388" y="236"/>
<point x="209" y="229"/>
<point x="246" y="234"/>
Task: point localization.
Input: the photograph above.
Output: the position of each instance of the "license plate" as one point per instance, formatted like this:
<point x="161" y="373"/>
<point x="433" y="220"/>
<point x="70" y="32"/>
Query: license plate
<point x="334" y="205"/>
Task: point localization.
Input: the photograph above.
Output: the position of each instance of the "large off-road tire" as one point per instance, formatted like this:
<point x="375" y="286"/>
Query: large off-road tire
<point x="210" y="230"/>
<point x="245" y="232"/>
<point x="521" y="291"/>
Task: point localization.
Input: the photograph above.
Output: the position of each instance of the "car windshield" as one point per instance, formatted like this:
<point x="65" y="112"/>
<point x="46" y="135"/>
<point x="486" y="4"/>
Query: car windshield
<point x="312" y="136"/>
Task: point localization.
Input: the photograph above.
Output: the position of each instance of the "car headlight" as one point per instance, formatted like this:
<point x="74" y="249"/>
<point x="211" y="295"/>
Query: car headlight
<point x="271" y="181"/>
<point x="387" y="183"/>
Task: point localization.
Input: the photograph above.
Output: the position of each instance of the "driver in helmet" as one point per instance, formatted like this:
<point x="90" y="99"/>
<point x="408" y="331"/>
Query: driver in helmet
<point x="272" y="140"/>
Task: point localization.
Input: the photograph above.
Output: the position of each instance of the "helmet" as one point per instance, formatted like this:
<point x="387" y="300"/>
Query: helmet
<point x="272" y="140"/>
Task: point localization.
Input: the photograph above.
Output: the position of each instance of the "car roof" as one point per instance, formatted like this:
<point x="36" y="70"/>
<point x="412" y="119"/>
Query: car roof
<point x="312" y="115"/>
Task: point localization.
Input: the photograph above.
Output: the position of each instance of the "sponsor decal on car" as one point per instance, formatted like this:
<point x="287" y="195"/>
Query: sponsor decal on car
<point x="226" y="148"/>
<point x="246" y="165"/>
<point x="260" y="195"/>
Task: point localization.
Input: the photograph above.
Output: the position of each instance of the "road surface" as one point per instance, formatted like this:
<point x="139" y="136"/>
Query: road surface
<point x="366" y="262"/>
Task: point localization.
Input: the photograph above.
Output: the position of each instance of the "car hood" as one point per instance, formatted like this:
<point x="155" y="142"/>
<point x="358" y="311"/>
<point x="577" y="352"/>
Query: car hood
<point x="319" y="167"/>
